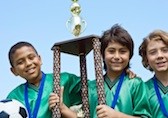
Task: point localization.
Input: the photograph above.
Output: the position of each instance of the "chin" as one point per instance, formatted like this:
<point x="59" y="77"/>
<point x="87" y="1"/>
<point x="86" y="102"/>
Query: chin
<point x="117" y="70"/>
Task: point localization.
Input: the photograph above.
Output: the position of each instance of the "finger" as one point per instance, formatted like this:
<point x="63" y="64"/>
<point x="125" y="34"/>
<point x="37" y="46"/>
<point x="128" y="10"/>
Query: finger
<point x="52" y="105"/>
<point x="98" y="107"/>
<point x="61" y="94"/>
<point x="127" y="71"/>
<point x="130" y="73"/>
<point x="99" y="110"/>
<point x="53" y="99"/>
<point x="101" y="115"/>
<point x="53" y="96"/>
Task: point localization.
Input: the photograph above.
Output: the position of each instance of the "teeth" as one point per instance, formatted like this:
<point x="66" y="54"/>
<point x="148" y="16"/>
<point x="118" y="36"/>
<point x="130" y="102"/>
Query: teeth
<point x="116" y="63"/>
<point x="30" y="70"/>
<point x="160" y="62"/>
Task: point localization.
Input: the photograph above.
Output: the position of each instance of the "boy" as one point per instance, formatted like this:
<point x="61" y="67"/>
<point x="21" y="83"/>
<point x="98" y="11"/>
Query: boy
<point x="125" y="97"/>
<point x="34" y="94"/>
<point x="154" y="53"/>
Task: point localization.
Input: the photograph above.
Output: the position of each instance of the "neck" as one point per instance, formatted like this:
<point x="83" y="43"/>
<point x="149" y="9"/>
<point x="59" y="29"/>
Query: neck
<point x="113" y="75"/>
<point x="162" y="77"/>
<point x="36" y="81"/>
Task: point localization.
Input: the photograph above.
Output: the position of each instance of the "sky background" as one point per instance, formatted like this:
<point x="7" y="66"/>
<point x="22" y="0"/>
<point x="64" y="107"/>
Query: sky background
<point x="42" y="23"/>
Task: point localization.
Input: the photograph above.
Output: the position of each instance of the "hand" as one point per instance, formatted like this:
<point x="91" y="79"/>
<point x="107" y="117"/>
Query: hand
<point x="104" y="111"/>
<point x="131" y="74"/>
<point x="54" y="98"/>
<point x="65" y="111"/>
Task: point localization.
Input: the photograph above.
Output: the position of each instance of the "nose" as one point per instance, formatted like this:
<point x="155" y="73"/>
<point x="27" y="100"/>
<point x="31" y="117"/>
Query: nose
<point x="160" y="55"/>
<point x="28" y="62"/>
<point x="116" y="55"/>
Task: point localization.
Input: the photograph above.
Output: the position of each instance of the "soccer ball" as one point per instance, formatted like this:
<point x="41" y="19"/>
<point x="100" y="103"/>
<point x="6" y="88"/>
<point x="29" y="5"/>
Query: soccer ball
<point x="12" y="109"/>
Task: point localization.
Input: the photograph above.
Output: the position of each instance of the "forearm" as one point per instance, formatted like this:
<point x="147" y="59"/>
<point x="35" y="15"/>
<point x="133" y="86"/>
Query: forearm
<point x="122" y="115"/>
<point x="66" y="112"/>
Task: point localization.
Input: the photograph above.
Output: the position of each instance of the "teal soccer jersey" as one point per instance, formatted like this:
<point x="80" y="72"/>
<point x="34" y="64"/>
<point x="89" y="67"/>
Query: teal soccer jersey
<point x="153" y="100"/>
<point x="132" y="98"/>
<point x="71" y="95"/>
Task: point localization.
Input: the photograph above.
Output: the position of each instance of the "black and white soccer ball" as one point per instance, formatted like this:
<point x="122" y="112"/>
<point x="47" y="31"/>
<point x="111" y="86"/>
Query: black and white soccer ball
<point x="12" y="109"/>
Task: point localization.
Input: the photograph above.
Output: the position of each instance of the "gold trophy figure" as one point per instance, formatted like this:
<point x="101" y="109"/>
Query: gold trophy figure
<point x="76" y="25"/>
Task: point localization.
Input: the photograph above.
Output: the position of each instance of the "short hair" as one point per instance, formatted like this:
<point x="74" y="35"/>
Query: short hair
<point x="17" y="46"/>
<point x="155" y="35"/>
<point x="120" y="35"/>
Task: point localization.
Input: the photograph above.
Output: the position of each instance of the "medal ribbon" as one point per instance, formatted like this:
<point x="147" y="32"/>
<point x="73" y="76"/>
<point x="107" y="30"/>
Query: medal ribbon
<point x="118" y="90"/>
<point x="37" y="105"/>
<point x="162" y="106"/>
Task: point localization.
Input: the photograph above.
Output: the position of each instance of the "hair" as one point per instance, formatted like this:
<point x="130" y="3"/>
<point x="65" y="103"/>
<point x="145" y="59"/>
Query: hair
<point x="17" y="46"/>
<point x="117" y="34"/>
<point x="155" y="35"/>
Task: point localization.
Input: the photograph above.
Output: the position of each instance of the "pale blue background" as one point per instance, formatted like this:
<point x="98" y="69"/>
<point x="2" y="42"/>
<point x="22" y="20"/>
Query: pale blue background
<point x="42" y="23"/>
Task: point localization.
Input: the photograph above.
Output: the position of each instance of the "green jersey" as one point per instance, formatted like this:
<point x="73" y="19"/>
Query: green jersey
<point x="132" y="98"/>
<point x="153" y="100"/>
<point x="71" y="95"/>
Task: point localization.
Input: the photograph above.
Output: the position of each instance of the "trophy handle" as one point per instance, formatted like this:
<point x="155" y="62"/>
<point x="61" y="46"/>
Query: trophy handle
<point x="85" y="25"/>
<point x="68" y="25"/>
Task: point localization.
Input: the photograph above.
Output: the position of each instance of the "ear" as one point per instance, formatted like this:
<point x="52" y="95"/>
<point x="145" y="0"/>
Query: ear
<point x="14" y="71"/>
<point x="40" y="59"/>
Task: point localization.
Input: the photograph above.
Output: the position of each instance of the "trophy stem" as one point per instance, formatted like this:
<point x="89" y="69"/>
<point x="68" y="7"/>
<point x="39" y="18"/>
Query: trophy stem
<point x="56" y="88"/>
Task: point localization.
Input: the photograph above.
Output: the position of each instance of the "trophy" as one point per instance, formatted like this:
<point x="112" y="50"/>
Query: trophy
<point x="76" y="25"/>
<point x="79" y="46"/>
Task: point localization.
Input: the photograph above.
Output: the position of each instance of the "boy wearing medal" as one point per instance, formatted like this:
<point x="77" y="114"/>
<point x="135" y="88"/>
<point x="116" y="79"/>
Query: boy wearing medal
<point x="125" y="97"/>
<point x="34" y="94"/>
<point x="154" y="53"/>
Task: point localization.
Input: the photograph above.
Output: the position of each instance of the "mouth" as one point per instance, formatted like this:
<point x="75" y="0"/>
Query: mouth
<point x="117" y="63"/>
<point x="30" y="70"/>
<point x="160" y="64"/>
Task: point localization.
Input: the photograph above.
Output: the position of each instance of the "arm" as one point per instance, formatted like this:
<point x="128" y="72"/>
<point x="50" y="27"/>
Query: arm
<point x="104" y="111"/>
<point x="140" y="99"/>
<point x="65" y="111"/>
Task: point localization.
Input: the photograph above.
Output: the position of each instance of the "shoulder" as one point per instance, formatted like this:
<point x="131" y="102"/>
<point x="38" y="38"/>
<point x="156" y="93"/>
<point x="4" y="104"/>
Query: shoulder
<point x="135" y="80"/>
<point x="63" y="75"/>
<point x="66" y="75"/>
<point x="149" y="84"/>
<point x="19" y="87"/>
<point x="65" y="78"/>
<point x="49" y="75"/>
<point x="134" y="83"/>
<point x="92" y="84"/>
<point x="69" y="78"/>
<point x="14" y="93"/>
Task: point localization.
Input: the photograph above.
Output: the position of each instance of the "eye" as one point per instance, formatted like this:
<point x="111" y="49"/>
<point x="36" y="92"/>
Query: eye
<point x="19" y="62"/>
<point x="111" y="51"/>
<point x="31" y="57"/>
<point x="123" y="51"/>
<point x="165" y="50"/>
<point x="152" y="52"/>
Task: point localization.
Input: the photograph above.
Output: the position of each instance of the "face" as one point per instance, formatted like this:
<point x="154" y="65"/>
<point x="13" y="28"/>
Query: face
<point x="157" y="56"/>
<point x="116" y="57"/>
<point x="27" y="64"/>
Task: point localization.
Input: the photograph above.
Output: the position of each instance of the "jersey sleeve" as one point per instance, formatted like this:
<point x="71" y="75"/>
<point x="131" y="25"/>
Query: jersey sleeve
<point x="140" y="100"/>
